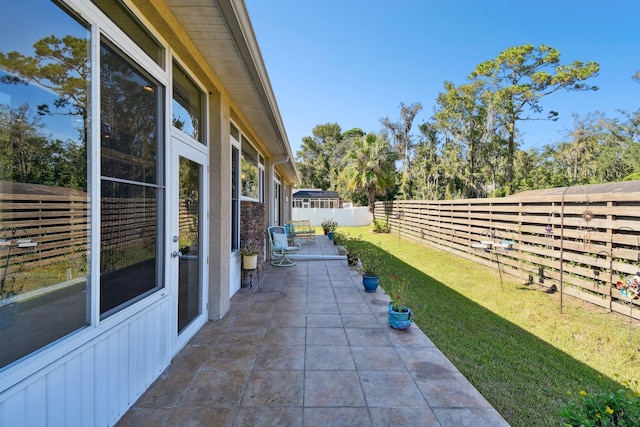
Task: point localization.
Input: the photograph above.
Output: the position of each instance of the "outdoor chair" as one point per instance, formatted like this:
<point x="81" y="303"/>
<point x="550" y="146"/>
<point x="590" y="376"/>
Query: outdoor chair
<point x="280" y="247"/>
<point x="301" y="229"/>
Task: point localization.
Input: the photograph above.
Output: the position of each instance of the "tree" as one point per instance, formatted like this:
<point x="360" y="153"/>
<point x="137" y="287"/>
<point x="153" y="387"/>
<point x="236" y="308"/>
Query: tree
<point x="370" y="167"/>
<point x="619" y="154"/>
<point x="401" y="134"/>
<point x="465" y="115"/>
<point x="519" y="77"/>
<point x="316" y="159"/>
<point x="32" y="156"/>
<point x="426" y="163"/>
<point x="349" y="139"/>
<point x="584" y="148"/>
<point x="60" y="65"/>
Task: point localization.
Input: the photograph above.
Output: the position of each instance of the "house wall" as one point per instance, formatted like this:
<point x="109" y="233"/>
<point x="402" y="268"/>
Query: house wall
<point x="94" y="375"/>
<point x="94" y="383"/>
<point x="220" y="214"/>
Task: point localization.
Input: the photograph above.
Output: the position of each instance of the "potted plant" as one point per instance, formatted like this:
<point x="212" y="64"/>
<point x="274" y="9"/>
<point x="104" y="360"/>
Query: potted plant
<point x="349" y="244"/>
<point x="338" y="238"/>
<point x="329" y="227"/>
<point x="399" y="315"/>
<point x="249" y="254"/>
<point x="370" y="267"/>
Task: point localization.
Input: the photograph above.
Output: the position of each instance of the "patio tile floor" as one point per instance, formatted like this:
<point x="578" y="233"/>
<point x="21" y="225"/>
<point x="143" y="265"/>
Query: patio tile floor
<point x="311" y="349"/>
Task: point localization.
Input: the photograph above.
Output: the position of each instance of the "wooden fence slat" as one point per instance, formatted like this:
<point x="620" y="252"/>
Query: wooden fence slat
<point x="594" y="249"/>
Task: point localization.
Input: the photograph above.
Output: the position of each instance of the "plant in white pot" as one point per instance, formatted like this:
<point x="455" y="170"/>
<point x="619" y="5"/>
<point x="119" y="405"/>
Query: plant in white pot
<point x="249" y="254"/>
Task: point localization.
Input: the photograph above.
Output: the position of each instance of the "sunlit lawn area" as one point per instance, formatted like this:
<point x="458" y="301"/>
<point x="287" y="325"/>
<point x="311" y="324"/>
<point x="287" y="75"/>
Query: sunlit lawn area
<point x="514" y="345"/>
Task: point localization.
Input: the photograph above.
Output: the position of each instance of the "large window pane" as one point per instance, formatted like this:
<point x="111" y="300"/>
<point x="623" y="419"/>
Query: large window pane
<point x="44" y="199"/>
<point x="189" y="295"/>
<point x="131" y="263"/>
<point x="130" y="113"/>
<point x="187" y="105"/>
<point x="235" y="199"/>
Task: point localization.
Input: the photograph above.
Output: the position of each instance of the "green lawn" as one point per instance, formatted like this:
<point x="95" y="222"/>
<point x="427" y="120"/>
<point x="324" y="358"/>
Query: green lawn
<point x="514" y="345"/>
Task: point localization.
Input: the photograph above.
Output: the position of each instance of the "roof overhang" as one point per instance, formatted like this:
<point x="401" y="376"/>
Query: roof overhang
<point x="222" y="33"/>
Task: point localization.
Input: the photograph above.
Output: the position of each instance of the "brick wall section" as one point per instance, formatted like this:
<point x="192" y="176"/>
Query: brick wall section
<point x="253" y="227"/>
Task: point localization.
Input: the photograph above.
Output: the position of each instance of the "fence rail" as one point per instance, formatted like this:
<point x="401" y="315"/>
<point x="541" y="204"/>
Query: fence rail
<point x="59" y="224"/>
<point x="594" y="237"/>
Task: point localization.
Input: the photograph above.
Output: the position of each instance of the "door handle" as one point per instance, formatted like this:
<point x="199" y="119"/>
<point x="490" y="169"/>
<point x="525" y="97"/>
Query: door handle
<point x="176" y="254"/>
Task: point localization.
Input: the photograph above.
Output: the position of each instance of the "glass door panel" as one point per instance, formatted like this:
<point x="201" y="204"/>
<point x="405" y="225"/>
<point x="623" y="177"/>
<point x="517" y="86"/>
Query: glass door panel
<point x="189" y="238"/>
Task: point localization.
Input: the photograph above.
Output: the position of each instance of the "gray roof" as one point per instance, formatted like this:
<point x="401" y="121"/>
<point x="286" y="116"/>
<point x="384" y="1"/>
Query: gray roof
<point x="316" y="195"/>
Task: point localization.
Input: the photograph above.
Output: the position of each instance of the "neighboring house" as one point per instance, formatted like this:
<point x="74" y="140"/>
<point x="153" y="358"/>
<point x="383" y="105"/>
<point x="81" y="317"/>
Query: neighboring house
<point x="132" y="141"/>
<point x="314" y="198"/>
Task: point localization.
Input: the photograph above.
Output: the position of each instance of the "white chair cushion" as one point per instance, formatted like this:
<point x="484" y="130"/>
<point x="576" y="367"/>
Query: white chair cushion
<point x="280" y="241"/>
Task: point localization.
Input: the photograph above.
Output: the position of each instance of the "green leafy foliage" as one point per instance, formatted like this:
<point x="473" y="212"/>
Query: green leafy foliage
<point x="369" y="167"/>
<point x="381" y="225"/>
<point x="618" y="408"/>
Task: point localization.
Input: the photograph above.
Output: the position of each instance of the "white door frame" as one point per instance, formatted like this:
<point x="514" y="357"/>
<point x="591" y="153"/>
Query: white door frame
<point x="196" y="152"/>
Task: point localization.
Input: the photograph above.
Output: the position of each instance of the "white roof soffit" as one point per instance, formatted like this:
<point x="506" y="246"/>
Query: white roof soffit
<point x="222" y="32"/>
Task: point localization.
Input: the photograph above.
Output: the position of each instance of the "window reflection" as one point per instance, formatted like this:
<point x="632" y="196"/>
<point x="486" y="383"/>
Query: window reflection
<point x="235" y="199"/>
<point x="129" y="242"/>
<point x="187" y="105"/>
<point x="249" y="174"/>
<point x="189" y="262"/>
<point x="45" y="203"/>
<point x="129" y="120"/>
<point x="131" y="264"/>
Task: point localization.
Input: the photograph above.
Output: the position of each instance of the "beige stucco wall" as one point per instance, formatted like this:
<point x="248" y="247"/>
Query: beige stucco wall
<point x="220" y="206"/>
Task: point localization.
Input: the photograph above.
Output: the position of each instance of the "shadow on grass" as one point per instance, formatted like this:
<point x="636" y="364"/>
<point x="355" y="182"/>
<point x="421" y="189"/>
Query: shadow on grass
<point x="525" y="378"/>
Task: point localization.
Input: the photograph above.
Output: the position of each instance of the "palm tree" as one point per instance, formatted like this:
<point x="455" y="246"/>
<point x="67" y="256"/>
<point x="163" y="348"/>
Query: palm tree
<point x="370" y="166"/>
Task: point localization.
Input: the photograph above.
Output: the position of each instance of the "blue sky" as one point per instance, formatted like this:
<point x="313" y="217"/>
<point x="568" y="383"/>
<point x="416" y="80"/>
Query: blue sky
<point x="353" y="62"/>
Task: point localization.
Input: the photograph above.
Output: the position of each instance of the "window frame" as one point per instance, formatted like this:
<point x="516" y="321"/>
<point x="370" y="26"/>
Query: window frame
<point x="203" y="136"/>
<point x="234" y="186"/>
<point x="160" y="184"/>
<point x="104" y="29"/>
<point x="100" y="28"/>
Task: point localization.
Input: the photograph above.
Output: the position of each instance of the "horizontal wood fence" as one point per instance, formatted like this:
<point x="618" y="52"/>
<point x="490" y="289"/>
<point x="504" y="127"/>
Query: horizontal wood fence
<point x="580" y="243"/>
<point x="59" y="225"/>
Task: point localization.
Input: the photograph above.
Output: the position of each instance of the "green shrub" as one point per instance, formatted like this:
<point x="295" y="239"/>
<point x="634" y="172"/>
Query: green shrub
<point x="381" y="226"/>
<point x="620" y="408"/>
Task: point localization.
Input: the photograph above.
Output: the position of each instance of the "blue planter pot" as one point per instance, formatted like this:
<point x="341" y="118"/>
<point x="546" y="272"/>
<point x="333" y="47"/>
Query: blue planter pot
<point x="400" y="319"/>
<point x="330" y="234"/>
<point x="370" y="283"/>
